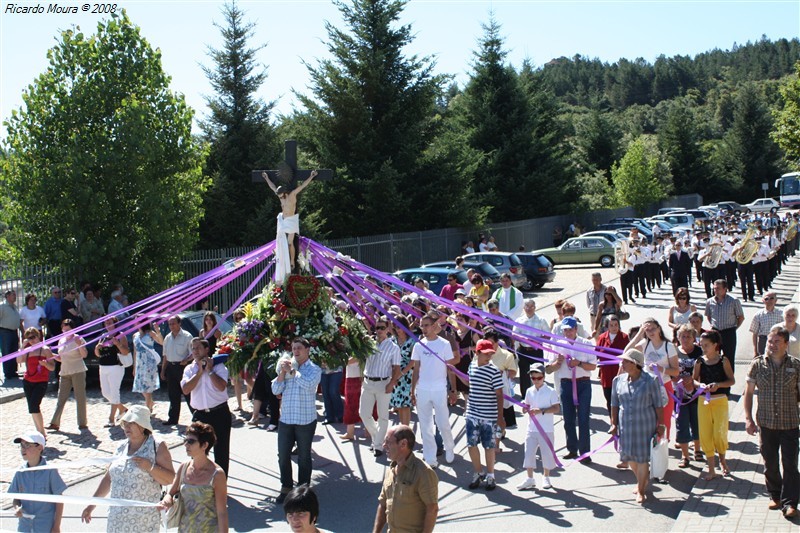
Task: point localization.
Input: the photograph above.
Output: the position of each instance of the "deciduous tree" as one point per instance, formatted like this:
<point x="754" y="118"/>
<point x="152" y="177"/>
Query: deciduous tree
<point x="101" y="176"/>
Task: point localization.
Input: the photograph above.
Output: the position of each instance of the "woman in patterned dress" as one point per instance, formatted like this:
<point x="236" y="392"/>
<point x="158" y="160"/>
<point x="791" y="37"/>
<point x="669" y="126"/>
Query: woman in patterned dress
<point x="636" y="415"/>
<point x="202" y="485"/>
<point x="141" y="467"/>
<point x="146" y="362"/>
<point x="401" y="395"/>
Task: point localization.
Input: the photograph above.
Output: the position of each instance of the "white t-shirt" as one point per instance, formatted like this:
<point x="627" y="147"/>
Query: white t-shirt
<point x="432" y="371"/>
<point x="30" y="317"/>
<point x="541" y="399"/>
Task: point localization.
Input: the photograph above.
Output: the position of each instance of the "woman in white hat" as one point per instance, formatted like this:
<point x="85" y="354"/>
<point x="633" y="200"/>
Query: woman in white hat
<point x="636" y="415"/>
<point x="142" y="466"/>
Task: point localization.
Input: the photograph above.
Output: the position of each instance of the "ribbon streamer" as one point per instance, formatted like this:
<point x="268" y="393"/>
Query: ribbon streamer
<point x="76" y="500"/>
<point x="63" y="465"/>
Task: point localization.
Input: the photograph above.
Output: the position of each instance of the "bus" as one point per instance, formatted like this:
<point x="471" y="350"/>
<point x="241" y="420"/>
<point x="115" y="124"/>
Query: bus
<point x="788" y="187"/>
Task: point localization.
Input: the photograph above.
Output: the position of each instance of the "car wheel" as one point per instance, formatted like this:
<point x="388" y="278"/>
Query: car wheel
<point x="773" y="210"/>
<point x="737" y="212"/>
<point x="527" y="286"/>
<point x="607" y="261"/>
<point x="538" y="285"/>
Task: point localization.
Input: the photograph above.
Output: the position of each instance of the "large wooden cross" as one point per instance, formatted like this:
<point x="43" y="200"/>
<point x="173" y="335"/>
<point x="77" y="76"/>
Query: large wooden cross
<point x="288" y="174"/>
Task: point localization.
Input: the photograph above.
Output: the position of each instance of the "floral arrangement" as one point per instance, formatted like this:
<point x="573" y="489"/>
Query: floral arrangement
<point x="283" y="313"/>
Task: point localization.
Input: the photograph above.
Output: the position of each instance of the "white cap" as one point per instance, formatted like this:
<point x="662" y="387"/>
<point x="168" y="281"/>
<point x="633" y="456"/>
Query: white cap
<point x="33" y="437"/>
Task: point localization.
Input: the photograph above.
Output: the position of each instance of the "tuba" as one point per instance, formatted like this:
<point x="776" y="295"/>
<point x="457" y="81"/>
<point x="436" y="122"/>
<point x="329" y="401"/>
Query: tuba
<point x="791" y="230"/>
<point x="621" y="256"/>
<point x="714" y="256"/>
<point x="747" y="248"/>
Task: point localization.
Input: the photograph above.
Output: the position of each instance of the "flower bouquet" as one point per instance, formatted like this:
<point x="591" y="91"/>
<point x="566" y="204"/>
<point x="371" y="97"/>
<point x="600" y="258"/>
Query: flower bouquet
<point x="300" y="308"/>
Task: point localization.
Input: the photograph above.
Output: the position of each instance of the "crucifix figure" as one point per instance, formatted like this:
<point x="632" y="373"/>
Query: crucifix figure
<point x="288" y="219"/>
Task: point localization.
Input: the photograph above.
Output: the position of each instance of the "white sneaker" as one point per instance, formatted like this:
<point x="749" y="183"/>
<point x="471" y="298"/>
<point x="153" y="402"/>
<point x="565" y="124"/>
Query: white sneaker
<point x="546" y="483"/>
<point x="449" y="456"/>
<point x="528" y="484"/>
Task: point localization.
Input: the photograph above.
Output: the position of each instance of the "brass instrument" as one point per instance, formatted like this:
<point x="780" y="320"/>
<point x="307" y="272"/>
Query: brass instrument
<point x="621" y="256"/>
<point x="747" y="248"/>
<point x="791" y="230"/>
<point x="713" y="256"/>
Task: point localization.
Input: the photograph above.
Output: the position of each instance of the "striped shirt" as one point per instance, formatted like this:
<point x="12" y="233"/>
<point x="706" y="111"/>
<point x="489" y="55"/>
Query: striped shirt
<point x="379" y="364"/>
<point x="764" y="320"/>
<point x="483" y="382"/>
<point x="298" y="403"/>
<point x="724" y="314"/>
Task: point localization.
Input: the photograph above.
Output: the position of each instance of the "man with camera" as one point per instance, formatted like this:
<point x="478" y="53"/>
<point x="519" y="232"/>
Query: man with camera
<point x="208" y="385"/>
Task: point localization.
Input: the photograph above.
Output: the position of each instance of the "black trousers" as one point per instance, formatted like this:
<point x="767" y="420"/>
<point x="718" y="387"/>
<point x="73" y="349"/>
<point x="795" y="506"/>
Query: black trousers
<point x="525" y="367"/>
<point x="174" y="376"/>
<point x="730" y="273"/>
<point x="640" y="283"/>
<point x="218" y="418"/>
<point x="678" y="282"/>
<point x="729" y="345"/>
<point x="626" y="282"/>
<point x="762" y="276"/>
<point x="781" y="445"/>
<point x="746" y="281"/>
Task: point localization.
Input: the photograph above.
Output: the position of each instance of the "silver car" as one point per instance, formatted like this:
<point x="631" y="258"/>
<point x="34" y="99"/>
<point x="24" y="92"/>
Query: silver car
<point x="503" y="262"/>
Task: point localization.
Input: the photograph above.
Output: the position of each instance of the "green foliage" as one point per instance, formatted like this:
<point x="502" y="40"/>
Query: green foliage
<point x="787" y="120"/>
<point x="241" y="139"/>
<point x="373" y="117"/>
<point x="641" y="177"/>
<point x="747" y="156"/>
<point x="511" y="120"/>
<point x="101" y="176"/>
<point x="680" y="140"/>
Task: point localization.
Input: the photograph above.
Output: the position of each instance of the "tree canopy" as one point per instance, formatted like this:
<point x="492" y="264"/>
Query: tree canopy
<point x="101" y="176"/>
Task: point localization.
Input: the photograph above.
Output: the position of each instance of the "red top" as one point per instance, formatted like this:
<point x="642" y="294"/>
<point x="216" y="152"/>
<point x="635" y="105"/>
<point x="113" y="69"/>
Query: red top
<point x="34" y="372"/>
<point x="609" y="372"/>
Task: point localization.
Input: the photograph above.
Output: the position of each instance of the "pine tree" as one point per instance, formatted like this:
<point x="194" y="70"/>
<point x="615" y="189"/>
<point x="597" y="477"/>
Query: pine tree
<point x="372" y="116"/>
<point x="679" y="138"/>
<point x="241" y="139"/>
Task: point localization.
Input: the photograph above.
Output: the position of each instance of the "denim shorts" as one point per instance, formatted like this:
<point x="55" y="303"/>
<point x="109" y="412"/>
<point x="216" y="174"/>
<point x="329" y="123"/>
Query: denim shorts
<point x="480" y="432"/>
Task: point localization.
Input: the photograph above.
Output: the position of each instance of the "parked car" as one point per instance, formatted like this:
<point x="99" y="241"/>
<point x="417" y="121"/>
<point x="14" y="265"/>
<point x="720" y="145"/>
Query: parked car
<point x="698" y="214"/>
<point x="732" y="207"/>
<point x="581" y="249"/>
<point x="435" y="276"/>
<point x="610" y="235"/>
<point x="538" y="268"/>
<point x="665" y="210"/>
<point x="714" y="209"/>
<point x="490" y="275"/>
<point x="503" y="262"/>
<point x="676" y="219"/>
<point x="764" y="205"/>
<point x="626" y="227"/>
<point x="629" y="220"/>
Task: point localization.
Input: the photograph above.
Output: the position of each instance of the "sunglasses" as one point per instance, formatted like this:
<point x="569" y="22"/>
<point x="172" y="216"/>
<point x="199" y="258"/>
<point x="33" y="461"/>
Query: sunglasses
<point x="769" y="298"/>
<point x="540" y="378"/>
<point x="189" y="441"/>
<point x="380" y="328"/>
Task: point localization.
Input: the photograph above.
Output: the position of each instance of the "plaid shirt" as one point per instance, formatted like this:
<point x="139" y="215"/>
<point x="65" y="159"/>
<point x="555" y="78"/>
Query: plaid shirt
<point x="778" y="392"/>
<point x="298" y="404"/>
<point x="764" y="320"/>
<point x="724" y="314"/>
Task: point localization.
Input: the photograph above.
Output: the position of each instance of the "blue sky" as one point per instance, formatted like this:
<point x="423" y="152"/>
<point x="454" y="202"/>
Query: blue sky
<point x="448" y="30"/>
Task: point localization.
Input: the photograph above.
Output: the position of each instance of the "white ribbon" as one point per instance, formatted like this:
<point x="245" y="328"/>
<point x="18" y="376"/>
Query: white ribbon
<point x="78" y="500"/>
<point x="98" y="461"/>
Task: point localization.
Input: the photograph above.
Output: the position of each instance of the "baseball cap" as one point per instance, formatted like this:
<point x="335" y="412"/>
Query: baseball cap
<point x="32" y="436"/>
<point x="484" y="346"/>
<point x="536" y="367"/>
<point x="569" y="322"/>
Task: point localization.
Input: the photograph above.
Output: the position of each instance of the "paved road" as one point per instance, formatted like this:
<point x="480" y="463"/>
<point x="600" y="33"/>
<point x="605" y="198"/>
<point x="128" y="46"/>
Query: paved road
<point x="589" y="498"/>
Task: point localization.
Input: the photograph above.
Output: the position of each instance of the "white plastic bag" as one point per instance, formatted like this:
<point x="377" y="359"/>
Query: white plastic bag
<point x="659" y="458"/>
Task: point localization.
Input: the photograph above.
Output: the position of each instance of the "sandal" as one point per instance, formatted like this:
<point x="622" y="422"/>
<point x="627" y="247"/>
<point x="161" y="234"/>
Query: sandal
<point x="685" y="463"/>
<point x="698" y="456"/>
<point x="52" y="427"/>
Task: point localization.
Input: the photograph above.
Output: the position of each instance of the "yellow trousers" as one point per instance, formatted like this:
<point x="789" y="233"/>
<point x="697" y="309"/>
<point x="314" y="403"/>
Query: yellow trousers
<point x="712" y="422"/>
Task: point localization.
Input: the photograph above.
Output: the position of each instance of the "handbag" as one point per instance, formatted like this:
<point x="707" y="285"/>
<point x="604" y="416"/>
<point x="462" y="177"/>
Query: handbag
<point x="175" y="513"/>
<point x="622" y="314"/>
<point x="125" y="360"/>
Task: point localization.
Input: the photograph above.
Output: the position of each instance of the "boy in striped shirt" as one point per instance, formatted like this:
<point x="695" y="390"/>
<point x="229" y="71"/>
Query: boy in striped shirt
<point x="484" y="412"/>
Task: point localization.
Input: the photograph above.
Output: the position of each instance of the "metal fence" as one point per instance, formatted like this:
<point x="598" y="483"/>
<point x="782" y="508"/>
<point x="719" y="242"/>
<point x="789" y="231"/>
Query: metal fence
<point x="388" y="253"/>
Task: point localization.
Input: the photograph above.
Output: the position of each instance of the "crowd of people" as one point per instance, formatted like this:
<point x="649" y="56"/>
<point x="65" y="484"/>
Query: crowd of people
<point x="488" y="356"/>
